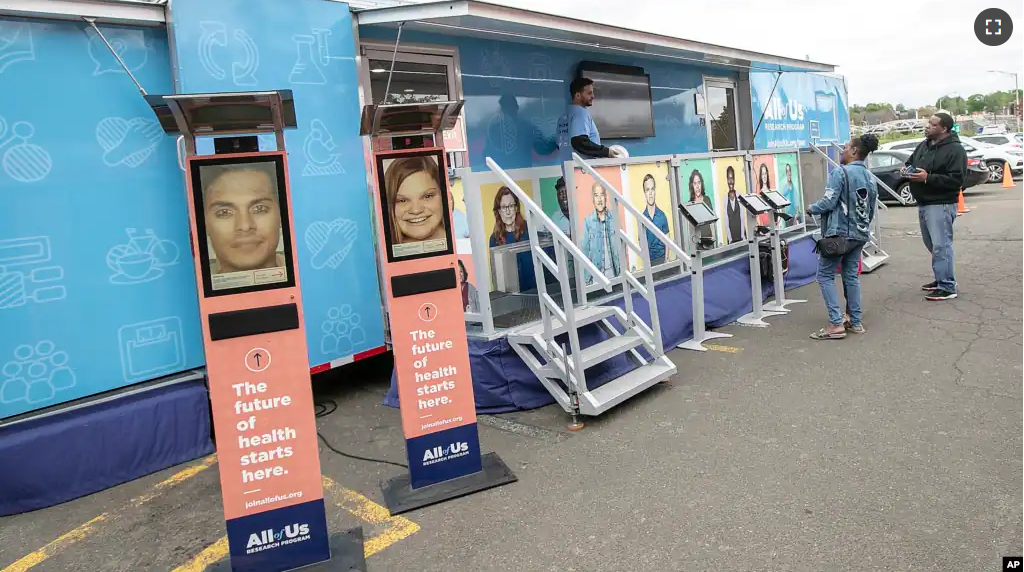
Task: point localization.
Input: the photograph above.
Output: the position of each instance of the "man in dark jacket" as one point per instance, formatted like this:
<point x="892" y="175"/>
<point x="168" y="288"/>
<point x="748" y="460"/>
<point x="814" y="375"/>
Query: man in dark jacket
<point x="936" y="172"/>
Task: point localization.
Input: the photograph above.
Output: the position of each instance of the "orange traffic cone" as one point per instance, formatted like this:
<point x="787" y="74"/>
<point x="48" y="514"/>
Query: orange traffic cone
<point x="1007" y="177"/>
<point x="961" y="207"/>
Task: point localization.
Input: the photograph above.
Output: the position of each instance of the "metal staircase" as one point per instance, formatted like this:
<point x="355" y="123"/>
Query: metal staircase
<point x="562" y="370"/>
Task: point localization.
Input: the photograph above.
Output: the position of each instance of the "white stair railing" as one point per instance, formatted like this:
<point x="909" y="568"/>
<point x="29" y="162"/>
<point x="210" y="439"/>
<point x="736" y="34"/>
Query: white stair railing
<point x="564" y="249"/>
<point x="650" y="334"/>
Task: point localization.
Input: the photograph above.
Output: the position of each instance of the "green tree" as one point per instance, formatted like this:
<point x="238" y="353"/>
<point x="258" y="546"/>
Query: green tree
<point x="976" y="103"/>
<point x="900" y="107"/>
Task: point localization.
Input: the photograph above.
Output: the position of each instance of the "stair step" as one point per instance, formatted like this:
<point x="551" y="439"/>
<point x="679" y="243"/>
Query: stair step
<point x="618" y="390"/>
<point x="584" y="315"/>
<point x="605" y="350"/>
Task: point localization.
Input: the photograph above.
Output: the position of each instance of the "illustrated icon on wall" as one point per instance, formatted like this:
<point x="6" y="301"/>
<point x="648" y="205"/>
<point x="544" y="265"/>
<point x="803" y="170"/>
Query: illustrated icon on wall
<point x="15" y="43"/>
<point x="319" y="148"/>
<point x="129" y="45"/>
<point x="215" y="34"/>
<point x="128" y="142"/>
<point x="142" y="259"/>
<point x="18" y="285"/>
<point x="343" y="334"/>
<point x="23" y="161"/>
<point x="35" y="374"/>
<point x="330" y="242"/>
<point x="151" y="349"/>
<point x="494" y="65"/>
<point x="313" y="53"/>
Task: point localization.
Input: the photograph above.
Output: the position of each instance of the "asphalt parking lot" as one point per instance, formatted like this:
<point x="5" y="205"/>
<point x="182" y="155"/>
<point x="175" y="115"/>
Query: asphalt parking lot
<point x="896" y="450"/>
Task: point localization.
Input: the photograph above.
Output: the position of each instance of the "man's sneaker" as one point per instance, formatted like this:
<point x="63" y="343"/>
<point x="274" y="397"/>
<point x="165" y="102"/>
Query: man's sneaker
<point x="937" y="295"/>
<point x="930" y="287"/>
<point x="858" y="329"/>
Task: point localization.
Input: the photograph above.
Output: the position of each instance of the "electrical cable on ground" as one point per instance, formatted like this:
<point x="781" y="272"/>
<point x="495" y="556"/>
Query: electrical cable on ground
<point x="326" y="408"/>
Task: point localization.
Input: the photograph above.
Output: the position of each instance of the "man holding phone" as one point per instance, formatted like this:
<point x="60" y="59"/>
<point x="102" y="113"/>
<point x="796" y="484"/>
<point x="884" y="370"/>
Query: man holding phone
<point x="936" y="172"/>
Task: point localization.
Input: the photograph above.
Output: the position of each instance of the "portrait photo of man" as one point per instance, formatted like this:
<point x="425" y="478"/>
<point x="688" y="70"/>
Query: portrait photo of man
<point x="734" y="226"/>
<point x="598" y="233"/>
<point x="654" y="214"/>
<point x="241" y="211"/>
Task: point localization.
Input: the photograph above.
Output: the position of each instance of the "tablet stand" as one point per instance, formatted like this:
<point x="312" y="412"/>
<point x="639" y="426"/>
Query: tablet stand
<point x="779" y="304"/>
<point x="700" y="333"/>
<point x="757" y="315"/>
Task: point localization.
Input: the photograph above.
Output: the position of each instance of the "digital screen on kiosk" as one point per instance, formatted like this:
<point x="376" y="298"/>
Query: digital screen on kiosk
<point x="242" y="216"/>
<point x="414" y="204"/>
<point x="755" y="203"/>
<point x="698" y="214"/>
<point x="776" y="199"/>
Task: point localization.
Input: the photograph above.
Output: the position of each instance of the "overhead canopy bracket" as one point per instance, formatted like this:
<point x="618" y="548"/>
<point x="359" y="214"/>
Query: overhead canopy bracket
<point x="407" y="119"/>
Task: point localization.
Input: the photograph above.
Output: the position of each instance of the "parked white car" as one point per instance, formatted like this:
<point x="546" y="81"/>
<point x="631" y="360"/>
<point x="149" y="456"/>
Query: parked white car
<point x="995" y="157"/>
<point x="1011" y="139"/>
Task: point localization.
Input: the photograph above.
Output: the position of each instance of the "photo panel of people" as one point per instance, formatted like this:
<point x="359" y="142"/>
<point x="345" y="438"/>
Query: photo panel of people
<point x="505" y="224"/>
<point x="697" y="185"/>
<point x="731" y="182"/>
<point x="649" y="193"/>
<point x="554" y="199"/>
<point x="787" y="173"/>
<point x="242" y="205"/>
<point x="463" y="247"/>
<point x="596" y="226"/>
<point x="764" y="179"/>
<point x="414" y="197"/>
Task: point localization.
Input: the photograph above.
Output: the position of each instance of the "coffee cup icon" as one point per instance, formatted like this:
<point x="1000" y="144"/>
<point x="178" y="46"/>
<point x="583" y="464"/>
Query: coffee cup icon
<point x="141" y="260"/>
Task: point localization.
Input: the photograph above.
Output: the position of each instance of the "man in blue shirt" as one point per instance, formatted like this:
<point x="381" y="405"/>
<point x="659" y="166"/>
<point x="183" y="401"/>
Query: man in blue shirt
<point x="576" y="129"/>
<point x="657" y="216"/>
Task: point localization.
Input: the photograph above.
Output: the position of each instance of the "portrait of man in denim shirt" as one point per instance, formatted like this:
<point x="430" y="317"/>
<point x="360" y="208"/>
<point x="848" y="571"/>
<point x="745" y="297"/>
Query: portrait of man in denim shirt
<point x="598" y="230"/>
<point x="654" y="214"/>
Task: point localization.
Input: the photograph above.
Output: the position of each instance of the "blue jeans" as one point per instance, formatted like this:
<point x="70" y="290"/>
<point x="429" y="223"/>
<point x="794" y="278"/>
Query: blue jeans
<point x="937" y="232"/>
<point x="851" y="285"/>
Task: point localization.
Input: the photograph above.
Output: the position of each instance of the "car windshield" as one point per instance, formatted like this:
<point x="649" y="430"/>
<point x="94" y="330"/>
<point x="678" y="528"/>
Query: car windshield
<point x="975" y="143"/>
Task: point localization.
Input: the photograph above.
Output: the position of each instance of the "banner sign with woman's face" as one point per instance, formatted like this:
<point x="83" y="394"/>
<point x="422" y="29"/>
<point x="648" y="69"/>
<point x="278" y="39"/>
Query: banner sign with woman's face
<point x="414" y="200"/>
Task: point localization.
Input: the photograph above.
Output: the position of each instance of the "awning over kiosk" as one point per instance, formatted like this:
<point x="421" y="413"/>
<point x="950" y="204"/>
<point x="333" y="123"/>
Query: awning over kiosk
<point x="476" y="19"/>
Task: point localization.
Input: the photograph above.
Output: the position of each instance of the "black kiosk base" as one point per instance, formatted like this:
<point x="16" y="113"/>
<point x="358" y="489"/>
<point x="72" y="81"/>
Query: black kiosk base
<point x="400" y="497"/>
<point x="346" y="555"/>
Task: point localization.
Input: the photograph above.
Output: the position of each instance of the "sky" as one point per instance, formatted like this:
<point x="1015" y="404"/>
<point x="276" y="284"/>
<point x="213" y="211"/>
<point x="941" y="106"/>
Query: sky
<point x="895" y="51"/>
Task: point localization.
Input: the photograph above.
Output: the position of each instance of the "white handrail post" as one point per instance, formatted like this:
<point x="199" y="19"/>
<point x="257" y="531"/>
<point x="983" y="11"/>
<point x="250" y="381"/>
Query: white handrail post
<point x="620" y="246"/>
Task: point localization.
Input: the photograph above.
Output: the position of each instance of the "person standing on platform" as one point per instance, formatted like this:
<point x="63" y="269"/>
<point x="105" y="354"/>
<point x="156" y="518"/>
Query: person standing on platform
<point x="577" y="130"/>
<point x="936" y="172"/>
<point x="847" y="210"/>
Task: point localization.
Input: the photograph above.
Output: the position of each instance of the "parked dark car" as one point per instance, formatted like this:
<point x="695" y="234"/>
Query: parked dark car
<point x="886" y="165"/>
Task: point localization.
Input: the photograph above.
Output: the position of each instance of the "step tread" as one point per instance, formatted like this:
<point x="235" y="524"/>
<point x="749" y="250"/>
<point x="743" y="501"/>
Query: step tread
<point x="606" y="349"/>
<point x="637" y="377"/>
<point x="584" y="315"/>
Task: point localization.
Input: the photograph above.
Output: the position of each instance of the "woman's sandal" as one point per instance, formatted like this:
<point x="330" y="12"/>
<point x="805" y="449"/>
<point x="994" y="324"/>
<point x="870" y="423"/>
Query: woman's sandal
<point x="824" y="334"/>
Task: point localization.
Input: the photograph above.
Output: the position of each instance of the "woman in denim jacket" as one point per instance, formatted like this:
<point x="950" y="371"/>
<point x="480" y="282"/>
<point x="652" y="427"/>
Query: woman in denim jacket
<point x="847" y="210"/>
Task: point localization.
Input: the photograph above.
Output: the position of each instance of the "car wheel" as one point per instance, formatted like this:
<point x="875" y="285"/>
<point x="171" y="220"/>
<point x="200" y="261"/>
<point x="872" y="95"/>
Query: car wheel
<point x="904" y="192"/>
<point x="995" y="171"/>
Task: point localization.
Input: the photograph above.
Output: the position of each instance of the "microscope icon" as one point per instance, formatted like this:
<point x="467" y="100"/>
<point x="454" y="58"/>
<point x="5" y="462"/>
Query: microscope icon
<point x="309" y="62"/>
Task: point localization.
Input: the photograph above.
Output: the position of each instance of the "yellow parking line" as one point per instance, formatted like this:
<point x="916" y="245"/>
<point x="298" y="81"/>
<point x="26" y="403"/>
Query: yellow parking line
<point x="36" y="558"/>
<point x="354" y="503"/>
<point x="209" y="556"/>
<point x="81" y="532"/>
<point x="727" y="349"/>
<point x="371" y="512"/>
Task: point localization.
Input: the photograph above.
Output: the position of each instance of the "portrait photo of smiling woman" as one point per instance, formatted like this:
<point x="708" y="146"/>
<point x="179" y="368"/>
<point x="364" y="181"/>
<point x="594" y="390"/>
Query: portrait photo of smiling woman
<point x="241" y="211"/>
<point x="415" y="199"/>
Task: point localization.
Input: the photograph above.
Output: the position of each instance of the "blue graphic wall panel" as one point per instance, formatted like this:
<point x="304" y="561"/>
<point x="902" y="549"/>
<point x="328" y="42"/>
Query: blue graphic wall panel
<point x="306" y="46"/>
<point x="799" y="98"/>
<point x="516" y="92"/>
<point x="97" y="288"/>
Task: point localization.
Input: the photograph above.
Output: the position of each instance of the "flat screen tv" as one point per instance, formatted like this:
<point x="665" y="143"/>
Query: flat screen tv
<point x="622" y="100"/>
